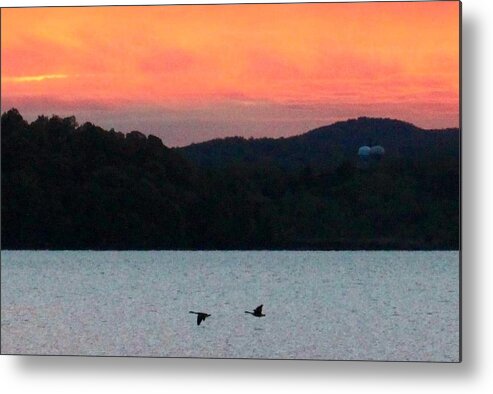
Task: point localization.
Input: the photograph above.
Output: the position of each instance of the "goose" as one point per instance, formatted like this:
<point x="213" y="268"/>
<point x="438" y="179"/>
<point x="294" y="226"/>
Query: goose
<point x="201" y="316"/>
<point x="257" y="312"/>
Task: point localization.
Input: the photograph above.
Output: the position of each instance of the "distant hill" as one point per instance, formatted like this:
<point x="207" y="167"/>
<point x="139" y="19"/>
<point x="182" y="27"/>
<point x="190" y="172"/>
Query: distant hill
<point x="66" y="186"/>
<point x="328" y="146"/>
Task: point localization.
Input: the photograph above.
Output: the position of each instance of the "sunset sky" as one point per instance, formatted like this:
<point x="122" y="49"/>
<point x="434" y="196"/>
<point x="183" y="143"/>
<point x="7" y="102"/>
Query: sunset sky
<point x="192" y="73"/>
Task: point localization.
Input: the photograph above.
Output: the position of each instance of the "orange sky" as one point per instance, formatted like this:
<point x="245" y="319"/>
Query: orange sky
<point x="190" y="73"/>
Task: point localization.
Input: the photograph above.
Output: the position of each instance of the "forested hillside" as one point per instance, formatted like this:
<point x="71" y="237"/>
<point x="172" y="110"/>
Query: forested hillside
<point x="66" y="186"/>
<point x="328" y="146"/>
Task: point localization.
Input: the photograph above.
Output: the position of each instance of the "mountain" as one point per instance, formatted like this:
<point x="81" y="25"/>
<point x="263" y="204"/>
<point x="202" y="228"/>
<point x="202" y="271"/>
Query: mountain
<point x="328" y="146"/>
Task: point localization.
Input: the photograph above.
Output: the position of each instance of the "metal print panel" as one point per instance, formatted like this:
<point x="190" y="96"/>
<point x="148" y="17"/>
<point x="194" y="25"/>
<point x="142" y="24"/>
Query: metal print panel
<point x="275" y="181"/>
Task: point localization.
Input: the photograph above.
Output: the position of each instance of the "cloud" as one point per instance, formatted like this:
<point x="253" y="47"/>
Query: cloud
<point x="34" y="78"/>
<point x="168" y="60"/>
<point x="267" y="64"/>
<point x="39" y="104"/>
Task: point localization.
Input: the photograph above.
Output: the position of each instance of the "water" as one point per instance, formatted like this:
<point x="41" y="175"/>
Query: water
<point x="319" y="305"/>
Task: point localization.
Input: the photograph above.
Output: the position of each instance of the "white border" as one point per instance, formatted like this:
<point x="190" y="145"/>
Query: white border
<point x="117" y="375"/>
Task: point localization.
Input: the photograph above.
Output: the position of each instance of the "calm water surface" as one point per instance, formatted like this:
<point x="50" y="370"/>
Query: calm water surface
<point x="319" y="305"/>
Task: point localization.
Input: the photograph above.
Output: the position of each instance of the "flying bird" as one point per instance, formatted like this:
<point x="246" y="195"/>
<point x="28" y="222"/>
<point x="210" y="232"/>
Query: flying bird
<point x="257" y="312"/>
<point x="201" y="316"/>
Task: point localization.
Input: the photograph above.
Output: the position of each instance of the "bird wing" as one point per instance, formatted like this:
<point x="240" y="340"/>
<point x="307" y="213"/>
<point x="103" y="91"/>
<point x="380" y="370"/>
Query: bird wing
<point x="258" y="309"/>
<point x="200" y="319"/>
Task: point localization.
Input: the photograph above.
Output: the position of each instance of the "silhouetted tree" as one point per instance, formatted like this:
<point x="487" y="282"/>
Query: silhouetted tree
<point x="66" y="186"/>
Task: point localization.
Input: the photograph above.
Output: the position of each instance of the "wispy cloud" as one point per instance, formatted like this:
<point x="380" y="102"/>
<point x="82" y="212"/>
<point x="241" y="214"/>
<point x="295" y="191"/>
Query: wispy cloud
<point x="35" y="78"/>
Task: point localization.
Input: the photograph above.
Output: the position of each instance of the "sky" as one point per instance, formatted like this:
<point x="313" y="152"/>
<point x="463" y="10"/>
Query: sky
<point x="192" y="73"/>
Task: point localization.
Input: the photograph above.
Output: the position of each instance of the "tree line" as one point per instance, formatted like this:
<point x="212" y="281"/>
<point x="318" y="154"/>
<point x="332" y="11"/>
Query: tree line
<point x="70" y="186"/>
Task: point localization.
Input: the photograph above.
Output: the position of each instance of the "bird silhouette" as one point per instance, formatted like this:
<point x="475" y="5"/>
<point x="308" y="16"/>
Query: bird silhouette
<point x="257" y="312"/>
<point x="201" y="316"/>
